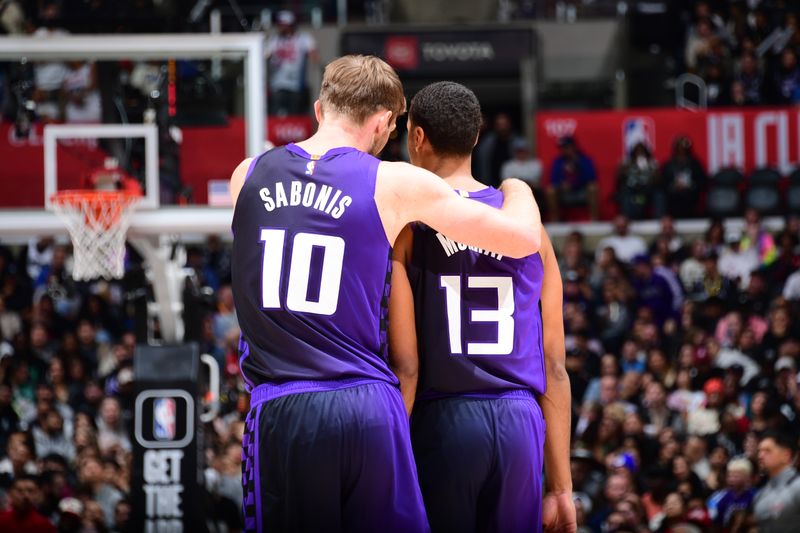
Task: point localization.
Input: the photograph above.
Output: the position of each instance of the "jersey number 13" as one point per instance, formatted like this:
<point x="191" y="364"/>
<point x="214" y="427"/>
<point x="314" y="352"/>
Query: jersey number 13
<point x="502" y="316"/>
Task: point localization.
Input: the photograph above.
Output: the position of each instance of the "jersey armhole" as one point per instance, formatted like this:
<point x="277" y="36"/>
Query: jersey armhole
<point x="372" y="182"/>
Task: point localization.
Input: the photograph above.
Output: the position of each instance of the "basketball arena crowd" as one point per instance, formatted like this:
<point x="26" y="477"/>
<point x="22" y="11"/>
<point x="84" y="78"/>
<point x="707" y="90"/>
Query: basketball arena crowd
<point x="682" y="350"/>
<point x="682" y="354"/>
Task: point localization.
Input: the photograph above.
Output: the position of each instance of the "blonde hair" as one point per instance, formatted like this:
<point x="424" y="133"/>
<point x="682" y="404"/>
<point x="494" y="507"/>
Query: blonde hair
<point x="741" y="464"/>
<point x="357" y="86"/>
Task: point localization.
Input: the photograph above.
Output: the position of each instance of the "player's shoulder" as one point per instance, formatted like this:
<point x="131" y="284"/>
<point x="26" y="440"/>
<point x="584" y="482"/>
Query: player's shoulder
<point x="399" y="170"/>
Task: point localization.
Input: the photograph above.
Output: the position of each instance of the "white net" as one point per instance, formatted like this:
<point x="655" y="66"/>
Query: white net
<point x="97" y="222"/>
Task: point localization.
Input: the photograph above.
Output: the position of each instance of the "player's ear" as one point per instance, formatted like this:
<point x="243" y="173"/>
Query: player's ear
<point x="477" y="138"/>
<point x="386" y="120"/>
<point x="318" y="111"/>
<point x="416" y="136"/>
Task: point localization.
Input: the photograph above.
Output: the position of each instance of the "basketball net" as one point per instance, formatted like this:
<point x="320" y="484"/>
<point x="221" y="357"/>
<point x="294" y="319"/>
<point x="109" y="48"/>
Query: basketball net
<point x="97" y="221"/>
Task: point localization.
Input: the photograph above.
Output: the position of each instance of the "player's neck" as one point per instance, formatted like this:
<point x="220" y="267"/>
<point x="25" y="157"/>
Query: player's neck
<point x="457" y="172"/>
<point x="335" y="133"/>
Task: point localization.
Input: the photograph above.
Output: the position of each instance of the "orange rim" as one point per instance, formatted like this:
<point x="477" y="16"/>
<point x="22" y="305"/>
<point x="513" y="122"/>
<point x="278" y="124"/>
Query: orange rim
<point x="74" y="196"/>
<point x="99" y="208"/>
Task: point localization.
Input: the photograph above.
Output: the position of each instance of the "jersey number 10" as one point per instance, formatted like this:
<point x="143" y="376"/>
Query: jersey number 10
<point x="297" y="297"/>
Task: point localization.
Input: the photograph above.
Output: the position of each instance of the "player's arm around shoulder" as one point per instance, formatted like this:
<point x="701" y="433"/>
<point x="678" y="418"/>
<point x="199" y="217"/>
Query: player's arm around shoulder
<point x="405" y="193"/>
<point x="558" y="508"/>
<point x="238" y="177"/>
<point x="403" y="354"/>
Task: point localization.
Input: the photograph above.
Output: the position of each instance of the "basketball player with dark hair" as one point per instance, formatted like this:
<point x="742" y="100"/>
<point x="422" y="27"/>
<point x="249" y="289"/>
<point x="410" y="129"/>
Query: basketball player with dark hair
<point x="327" y="445"/>
<point x="490" y="336"/>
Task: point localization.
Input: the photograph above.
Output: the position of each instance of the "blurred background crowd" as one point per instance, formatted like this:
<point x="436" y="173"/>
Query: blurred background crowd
<point x="66" y="387"/>
<point x="682" y="353"/>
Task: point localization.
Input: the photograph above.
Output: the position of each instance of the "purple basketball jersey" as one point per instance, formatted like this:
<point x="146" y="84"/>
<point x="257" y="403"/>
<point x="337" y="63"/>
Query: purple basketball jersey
<point x="477" y="315"/>
<point x="311" y="270"/>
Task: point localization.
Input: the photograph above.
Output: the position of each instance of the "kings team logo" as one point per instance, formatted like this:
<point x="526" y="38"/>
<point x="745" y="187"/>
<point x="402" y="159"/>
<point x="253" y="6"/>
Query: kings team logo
<point x="164" y="418"/>
<point x="637" y="130"/>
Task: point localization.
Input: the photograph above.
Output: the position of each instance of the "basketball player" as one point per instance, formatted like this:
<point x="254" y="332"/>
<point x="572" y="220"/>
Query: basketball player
<point x="490" y="334"/>
<point x="327" y="445"/>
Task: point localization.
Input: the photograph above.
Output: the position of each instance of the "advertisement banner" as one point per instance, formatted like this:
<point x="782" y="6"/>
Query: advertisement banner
<point x="206" y="153"/>
<point x="741" y="138"/>
<point x="470" y="52"/>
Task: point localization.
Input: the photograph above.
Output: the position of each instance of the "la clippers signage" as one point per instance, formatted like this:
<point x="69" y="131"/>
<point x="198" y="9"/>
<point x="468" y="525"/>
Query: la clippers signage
<point x="167" y="460"/>
<point x="468" y="52"/>
<point x="207" y="153"/>
<point x="744" y="139"/>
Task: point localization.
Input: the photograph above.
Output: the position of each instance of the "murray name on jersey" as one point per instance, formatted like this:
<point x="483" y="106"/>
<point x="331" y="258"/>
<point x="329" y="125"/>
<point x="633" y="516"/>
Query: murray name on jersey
<point x="452" y="247"/>
<point x="306" y="194"/>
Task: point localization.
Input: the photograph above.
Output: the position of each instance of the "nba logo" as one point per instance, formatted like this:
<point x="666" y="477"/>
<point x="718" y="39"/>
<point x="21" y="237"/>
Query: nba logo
<point x="164" y="418"/>
<point x="637" y="130"/>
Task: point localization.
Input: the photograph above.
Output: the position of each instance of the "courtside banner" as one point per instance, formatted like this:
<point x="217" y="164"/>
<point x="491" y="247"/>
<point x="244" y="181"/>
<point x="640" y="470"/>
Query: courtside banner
<point x="744" y="139"/>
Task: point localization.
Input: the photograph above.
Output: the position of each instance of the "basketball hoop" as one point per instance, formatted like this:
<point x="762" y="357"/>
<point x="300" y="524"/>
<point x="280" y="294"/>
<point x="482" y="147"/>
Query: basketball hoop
<point x="97" y="222"/>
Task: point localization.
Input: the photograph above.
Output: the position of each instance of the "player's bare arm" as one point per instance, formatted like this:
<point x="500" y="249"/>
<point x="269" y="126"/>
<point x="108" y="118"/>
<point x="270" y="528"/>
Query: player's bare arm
<point x="237" y="178"/>
<point x="403" y="354"/>
<point x="558" y="510"/>
<point x="405" y="194"/>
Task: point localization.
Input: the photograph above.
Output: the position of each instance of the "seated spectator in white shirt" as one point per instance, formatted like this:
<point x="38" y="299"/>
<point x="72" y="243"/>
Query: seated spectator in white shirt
<point x="625" y="246"/>
<point x="523" y="166"/>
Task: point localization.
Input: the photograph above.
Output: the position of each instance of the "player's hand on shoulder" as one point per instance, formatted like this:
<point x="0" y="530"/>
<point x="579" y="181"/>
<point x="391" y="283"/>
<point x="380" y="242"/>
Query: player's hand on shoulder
<point x="558" y="513"/>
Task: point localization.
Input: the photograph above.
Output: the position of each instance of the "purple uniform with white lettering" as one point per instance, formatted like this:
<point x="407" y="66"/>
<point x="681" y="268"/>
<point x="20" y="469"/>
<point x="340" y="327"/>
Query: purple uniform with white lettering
<point x="477" y="430"/>
<point x="327" y="443"/>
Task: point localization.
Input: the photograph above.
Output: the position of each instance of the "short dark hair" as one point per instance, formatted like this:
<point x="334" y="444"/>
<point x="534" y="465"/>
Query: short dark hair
<point x="783" y="439"/>
<point x="450" y="115"/>
<point x="35" y="479"/>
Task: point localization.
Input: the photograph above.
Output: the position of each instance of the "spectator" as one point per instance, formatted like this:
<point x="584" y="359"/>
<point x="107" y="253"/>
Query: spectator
<point x="494" y="149"/>
<point x="289" y="51"/>
<point x="698" y="46"/>
<point x="751" y="80"/>
<point x="111" y="433"/>
<point x="775" y="506"/>
<point x="653" y="290"/>
<point x="638" y="184"/>
<point x="225" y="317"/>
<point x="19" y="457"/>
<point x="625" y="245"/>
<point x="692" y="270"/>
<point x="81" y="94"/>
<point x="737" y="496"/>
<point x="10" y="322"/>
<point x="70" y="518"/>
<point x="90" y="474"/>
<point x="12" y="17"/>
<point x="23" y="516"/>
<point x="791" y="290"/>
<point x="573" y="180"/>
<point x="756" y="238"/>
<point x="51" y="437"/>
<point x="122" y="517"/>
<point x="684" y="179"/>
<point x="9" y="420"/>
<point x="787" y="79"/>
<point x="523" y="166"/>
<point x="49" y="76"/>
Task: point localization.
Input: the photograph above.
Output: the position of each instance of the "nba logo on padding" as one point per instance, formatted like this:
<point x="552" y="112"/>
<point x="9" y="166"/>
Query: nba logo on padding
<point x="637" y="130"/>
<point x="164" y="419"/>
